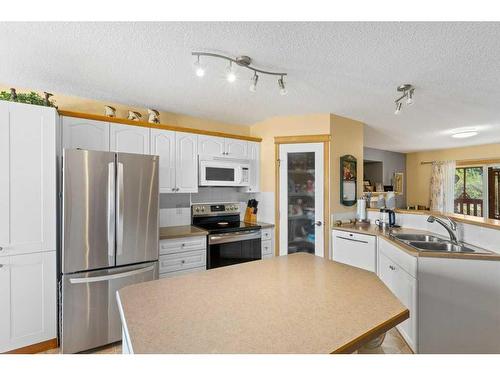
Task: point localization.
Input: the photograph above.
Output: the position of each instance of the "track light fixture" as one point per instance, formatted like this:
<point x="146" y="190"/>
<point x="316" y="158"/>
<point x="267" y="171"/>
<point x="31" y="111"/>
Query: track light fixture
<point x="244" y="62"/>
<point x="407" y="91"/>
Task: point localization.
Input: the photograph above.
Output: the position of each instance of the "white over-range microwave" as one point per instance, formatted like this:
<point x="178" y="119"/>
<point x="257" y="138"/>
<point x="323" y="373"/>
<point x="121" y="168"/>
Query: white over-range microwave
<point x="218" y="171"/>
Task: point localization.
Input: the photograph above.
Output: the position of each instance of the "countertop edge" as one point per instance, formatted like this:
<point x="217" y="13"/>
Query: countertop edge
<point x="359" y="341"/>
<point x="184" y="232"/>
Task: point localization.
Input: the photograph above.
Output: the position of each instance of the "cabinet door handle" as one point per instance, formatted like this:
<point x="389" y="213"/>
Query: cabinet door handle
<point x="392" y="268"/>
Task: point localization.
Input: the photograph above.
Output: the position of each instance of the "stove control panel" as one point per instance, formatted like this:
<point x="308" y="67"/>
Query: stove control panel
<point x="215" y="209"/>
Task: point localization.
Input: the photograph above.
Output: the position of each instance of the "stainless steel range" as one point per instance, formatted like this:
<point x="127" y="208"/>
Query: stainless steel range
<point x="230" y="240"/>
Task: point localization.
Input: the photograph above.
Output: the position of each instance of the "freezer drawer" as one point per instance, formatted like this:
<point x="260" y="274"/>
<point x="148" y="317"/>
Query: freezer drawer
<point x="90" y="316"/>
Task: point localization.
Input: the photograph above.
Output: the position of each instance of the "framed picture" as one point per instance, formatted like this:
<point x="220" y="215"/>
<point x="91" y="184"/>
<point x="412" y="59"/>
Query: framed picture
<point x="398" y="182"/>
<point x="348" y="165"/>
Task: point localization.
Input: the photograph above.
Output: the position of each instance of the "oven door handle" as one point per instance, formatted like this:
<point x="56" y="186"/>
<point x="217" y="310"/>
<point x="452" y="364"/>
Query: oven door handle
<point x="234" y="237"/>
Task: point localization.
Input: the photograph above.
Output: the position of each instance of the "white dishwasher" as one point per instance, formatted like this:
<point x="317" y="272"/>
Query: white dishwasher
<point x="355" y="249"/>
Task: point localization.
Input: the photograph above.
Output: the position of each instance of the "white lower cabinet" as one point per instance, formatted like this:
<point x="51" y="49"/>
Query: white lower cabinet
<point x="267" y="245"/>
<point x="395" y="273"/>
<point x="182" y="255"/>
<point x="27" y="299"/>
<point x="354" y="249"/>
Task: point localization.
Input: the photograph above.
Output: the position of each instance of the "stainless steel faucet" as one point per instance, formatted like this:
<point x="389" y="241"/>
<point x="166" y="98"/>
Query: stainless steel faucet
<point x="450" y="227"/>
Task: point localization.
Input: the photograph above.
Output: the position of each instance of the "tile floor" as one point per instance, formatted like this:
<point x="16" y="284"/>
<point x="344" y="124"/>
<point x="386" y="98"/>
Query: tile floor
<point x="393" y="344"/>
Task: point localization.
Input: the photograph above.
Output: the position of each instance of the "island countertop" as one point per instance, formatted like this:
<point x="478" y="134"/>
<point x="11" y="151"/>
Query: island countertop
<point x="298" y="303"/>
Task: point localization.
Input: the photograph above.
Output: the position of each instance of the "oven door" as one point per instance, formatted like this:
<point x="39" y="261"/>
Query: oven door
<point x="223" y="173"/>
<point x="232" y="248"/>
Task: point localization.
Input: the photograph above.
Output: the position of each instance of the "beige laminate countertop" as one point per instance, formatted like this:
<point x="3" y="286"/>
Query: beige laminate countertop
<point x="298" y="303"/>
<point x="376" y="231"/>
<point x="467" y="219"/>
<point x="167" y="233"/>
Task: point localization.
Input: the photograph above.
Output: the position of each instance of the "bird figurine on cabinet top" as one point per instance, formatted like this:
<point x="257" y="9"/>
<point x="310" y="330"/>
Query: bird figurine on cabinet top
<point x="154" y="116"/>
<point x="134" y="116"/>
<point x="109" y="111"/>
<point x="13" y="94"/>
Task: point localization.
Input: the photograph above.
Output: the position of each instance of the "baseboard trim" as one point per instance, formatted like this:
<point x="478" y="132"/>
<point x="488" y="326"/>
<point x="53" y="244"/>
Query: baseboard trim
<point x="35" y="348"/>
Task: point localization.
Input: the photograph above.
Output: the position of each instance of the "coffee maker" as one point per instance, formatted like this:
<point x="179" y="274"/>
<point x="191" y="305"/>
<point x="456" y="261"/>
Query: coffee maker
<point x="387" y="218"/>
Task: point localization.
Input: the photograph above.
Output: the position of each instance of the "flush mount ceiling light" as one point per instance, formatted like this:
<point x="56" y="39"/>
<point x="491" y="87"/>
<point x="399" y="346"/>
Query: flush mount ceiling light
<point x="465" y="133"/>
<point x="407" y="91"/>
<point x="243" y="61"/>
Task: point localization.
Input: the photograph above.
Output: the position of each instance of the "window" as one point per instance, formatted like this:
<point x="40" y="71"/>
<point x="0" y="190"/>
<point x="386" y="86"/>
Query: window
<point x="469" y="191"/>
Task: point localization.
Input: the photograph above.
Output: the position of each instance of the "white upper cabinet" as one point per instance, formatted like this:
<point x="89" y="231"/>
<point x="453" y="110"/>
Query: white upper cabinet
<point x="85" y="134"/>
<point x="129" y="138"/>
<point x="163" y="145"/>
<point x="186" y="159"/>
<point x="236" y="148"/>
<point x="27" y="178"/>
<point x="211" y="146"/>
<point x="222" y="147"/>
<point x="254" y="157"/>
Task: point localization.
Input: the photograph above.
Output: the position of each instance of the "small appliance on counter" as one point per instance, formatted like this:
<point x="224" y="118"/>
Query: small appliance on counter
<point x="387" y="219"/>
<point x="251" y="211"/>
<point x="230" y="240"/>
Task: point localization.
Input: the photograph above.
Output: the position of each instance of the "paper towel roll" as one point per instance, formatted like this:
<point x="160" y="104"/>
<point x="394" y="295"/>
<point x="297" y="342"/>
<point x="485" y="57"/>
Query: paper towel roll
<point x="361" y="210"/>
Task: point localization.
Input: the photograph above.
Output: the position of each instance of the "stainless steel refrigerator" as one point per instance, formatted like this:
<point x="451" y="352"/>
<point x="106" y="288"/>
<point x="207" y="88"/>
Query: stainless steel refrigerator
<point x="109" y="240"/>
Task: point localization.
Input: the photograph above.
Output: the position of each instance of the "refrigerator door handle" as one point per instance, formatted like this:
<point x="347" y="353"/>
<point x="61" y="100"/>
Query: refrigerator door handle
<point x="111" y="212"/>
<point x="95" y="279"/>
<point x="119" y="209"/>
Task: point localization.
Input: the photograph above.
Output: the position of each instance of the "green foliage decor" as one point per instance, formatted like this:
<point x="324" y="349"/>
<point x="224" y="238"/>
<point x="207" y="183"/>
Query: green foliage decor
<point x="28" y="98"/>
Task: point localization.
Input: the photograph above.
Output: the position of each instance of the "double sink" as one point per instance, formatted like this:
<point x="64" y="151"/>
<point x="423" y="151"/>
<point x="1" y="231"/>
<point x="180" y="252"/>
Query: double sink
<point x="429" y="242"/>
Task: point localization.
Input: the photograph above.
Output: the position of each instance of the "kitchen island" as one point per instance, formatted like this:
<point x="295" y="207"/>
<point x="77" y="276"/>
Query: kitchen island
<point x="298" y="303"/>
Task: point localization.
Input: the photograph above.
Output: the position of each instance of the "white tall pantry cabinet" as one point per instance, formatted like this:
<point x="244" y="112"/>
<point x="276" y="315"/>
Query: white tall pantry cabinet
<point x="27" y="225"/>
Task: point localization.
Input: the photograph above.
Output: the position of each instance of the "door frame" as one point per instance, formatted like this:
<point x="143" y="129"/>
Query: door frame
<point x="319" y="138"/>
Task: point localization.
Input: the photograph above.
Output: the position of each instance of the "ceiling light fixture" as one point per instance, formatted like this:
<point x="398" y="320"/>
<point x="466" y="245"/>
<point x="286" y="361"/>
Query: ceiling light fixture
<point x="465" y="134"/>
<point x="407" y="91"/>
<point x="255" y="79"/>
<point x="243" y="61"/>
<point x="199" y="70"/>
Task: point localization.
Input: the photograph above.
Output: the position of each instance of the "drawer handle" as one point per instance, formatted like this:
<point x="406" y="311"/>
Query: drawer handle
<point x="392" y="268"/>
<point x="182" y="245"/>
<point x="183" y="261"/>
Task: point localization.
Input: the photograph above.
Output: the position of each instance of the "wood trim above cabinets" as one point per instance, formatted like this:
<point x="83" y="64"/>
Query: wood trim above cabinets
<point x="125" y="121"/>
<point x="303" y="139"/>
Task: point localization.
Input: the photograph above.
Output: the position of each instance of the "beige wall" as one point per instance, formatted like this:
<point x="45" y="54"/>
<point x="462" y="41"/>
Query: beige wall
<point x="347" y="139"/>
<point x="419" y="176"/>
<point x="85" y="105"/>
<point x="283" y="126"/>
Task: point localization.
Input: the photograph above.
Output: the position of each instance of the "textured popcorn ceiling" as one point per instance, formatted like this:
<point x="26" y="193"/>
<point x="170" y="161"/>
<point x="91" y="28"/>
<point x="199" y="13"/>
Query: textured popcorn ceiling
<point x="351" y="69"/>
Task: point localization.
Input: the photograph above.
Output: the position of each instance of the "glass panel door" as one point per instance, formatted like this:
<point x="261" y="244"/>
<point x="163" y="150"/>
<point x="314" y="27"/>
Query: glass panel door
<point x="301" y="198"/>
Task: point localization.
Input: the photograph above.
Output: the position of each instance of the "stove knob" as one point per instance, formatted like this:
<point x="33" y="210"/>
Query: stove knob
<point x="197" y="209"/>
<point x="203" y="209"/>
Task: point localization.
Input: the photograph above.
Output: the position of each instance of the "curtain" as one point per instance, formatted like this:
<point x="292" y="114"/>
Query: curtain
<point x="443" y="186"/>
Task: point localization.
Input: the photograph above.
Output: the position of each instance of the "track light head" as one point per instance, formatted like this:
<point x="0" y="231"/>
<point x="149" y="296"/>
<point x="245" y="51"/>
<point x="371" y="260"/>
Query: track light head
<point x="409" y="97"/>
<point x="198" y="68"/>
<point x="255" y="79"/>
<point x="398" y="108"/>
<point x="281" y="85"/>
<point x="230" y="76"/>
